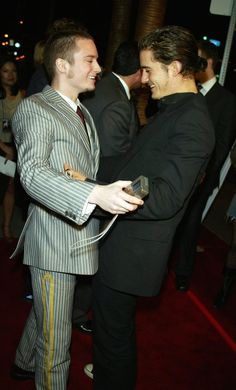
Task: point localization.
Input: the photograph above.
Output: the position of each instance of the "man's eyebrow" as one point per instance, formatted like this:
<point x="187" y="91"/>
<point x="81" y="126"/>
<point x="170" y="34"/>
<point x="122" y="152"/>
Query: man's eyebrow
<point x="90" y="56"/>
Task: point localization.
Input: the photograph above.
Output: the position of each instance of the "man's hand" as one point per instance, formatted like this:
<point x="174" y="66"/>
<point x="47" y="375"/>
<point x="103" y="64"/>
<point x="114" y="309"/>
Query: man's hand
<point x="72" y="173"/>
<point x="113" y="199"/>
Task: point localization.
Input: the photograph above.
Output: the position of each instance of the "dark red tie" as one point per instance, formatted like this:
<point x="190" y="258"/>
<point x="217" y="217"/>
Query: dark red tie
<point x="81" y="115"/>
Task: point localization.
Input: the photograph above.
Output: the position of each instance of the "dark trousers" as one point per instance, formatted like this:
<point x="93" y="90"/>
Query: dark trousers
<point x="82" y="299"/>
<point x="188" y="231"/>
<point x="114" y="338"/>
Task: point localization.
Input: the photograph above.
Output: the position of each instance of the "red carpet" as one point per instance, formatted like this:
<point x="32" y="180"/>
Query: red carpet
<point x="183" y="342"/>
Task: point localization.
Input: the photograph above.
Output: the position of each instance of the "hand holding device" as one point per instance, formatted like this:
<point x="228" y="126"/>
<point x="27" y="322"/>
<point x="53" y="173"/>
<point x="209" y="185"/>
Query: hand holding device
<point x="139" y="187"/>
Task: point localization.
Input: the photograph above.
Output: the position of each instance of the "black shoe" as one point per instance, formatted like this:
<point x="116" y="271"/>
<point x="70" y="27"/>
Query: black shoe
<point x="223" y="294"/>
<point x="220" y="299"/>
<point x="182" y="283"/>
<point x="20" y="374"/>
<point x="85" y="327"/>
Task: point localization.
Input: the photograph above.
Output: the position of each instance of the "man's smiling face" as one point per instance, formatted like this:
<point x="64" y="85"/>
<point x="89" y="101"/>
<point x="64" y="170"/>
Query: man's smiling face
<point x="155" y="74"/>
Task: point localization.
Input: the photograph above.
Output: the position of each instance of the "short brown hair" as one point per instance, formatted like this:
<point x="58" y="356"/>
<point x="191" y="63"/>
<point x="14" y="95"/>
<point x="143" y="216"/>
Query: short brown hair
<point x="171" y="43"/>
<point x="62" y="45"/>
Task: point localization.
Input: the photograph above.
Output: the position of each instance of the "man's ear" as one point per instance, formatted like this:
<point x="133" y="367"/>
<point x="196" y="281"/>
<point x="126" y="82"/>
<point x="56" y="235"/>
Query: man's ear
<point x="61" y="65"/>
<point x="175" y="67"/>
<point x="210" y="62"/>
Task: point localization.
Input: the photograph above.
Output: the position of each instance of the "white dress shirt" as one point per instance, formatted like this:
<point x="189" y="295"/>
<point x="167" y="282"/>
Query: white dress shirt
<point x="207" y="86"/>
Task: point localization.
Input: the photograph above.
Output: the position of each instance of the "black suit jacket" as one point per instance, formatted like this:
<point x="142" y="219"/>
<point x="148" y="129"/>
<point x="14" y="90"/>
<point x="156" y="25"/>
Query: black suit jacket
<point x="114" y="115"/>
<point x="221" y="104"/>
<point x="172" y="151"/>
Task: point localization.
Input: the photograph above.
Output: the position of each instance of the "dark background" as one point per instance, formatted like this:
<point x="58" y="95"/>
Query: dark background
<point x="96" y="17"/>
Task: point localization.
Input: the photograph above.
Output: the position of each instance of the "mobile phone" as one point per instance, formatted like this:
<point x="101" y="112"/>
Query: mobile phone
<point x="139" y="187"/>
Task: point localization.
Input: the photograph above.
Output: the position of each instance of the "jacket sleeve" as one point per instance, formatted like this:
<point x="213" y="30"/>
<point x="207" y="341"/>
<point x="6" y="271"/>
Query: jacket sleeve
<point x="47" y="185"/>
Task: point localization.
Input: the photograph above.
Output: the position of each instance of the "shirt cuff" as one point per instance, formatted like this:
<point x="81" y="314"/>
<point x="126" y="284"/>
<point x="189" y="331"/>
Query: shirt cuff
<point x="88" y="208"/>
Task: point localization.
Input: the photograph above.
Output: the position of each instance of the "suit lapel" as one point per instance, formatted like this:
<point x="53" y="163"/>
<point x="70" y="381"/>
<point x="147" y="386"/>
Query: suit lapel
<point x="213" y="93"/>
<point x="58" y="104"/>
<point x="93" y="137"/>
<point x="117" y="84"/>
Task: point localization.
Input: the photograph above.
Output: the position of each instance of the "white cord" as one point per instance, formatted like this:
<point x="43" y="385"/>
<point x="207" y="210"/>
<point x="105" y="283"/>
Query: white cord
<point x="92" y="240"/>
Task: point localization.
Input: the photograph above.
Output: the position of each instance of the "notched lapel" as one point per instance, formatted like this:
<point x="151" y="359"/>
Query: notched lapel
<point x="60" y="105"/>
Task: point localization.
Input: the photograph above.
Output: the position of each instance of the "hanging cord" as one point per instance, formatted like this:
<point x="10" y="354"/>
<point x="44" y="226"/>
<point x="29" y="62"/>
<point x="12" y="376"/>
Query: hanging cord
<point x="91" y="240"/>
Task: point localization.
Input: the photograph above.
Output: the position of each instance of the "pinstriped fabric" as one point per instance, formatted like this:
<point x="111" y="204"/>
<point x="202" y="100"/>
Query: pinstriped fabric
<point x="58" y="137"/>
<point x="52" y="369"/>
<point x="48" y="327"/>
<point x="25" y="353"/>
<point x="57" y="255"/>
<point x="48" y="134"/>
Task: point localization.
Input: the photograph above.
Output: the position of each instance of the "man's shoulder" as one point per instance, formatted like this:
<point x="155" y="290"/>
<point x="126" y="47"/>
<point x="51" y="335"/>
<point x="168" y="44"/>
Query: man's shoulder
<point x="222" y="92"/>
<point x="109" y="83"/>
<point x="36" y="98"/>
<point x="37" y="101"/>
<point x="107" y="91"/>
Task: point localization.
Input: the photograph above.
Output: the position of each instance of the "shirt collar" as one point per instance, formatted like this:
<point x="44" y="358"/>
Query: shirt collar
<point x="71" y="103"/>
<point x="126" y="88"/>
<point x="207" y="85"/>
<point x="169" y="100"/>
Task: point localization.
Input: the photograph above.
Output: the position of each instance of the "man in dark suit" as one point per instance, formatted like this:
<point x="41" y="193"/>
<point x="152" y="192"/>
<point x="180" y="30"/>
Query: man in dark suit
<point x="221" y="104"/>
<point x="112" y="105"/>
<point x="113" y="110"/>
<point x="172" y="151"/>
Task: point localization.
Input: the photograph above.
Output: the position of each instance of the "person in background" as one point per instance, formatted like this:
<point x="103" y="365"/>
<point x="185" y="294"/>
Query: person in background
<point x="172" y="151"/>
<point x="112" y="105"/>
<point x="221" y="104"/>
<point x="10" y="96"/>
<point x="52" y="128"/>
<point x="229" y="270"/>
<point x="39" y="77"/>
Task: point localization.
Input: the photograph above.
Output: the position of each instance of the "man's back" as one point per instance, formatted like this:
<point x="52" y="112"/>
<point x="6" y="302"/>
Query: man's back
<point x="221" y="105"/>
<point x="114" y="115"/>
<point x="160" y="153"/>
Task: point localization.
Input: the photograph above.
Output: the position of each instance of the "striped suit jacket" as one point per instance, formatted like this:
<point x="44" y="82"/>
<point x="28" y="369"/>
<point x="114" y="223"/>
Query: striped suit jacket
<point x="48" y="133"/>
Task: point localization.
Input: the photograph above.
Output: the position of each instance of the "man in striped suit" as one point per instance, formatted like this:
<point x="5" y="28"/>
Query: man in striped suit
<point x="49" y="133"/>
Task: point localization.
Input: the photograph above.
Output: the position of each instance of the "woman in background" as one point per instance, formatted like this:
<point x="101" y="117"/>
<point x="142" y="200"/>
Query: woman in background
<point x="10" y="97"/>
<point x="39" y="77"/>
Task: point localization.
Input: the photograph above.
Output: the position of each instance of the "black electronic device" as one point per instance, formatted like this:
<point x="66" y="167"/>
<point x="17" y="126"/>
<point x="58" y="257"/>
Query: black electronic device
<point x="139" y="187"/>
